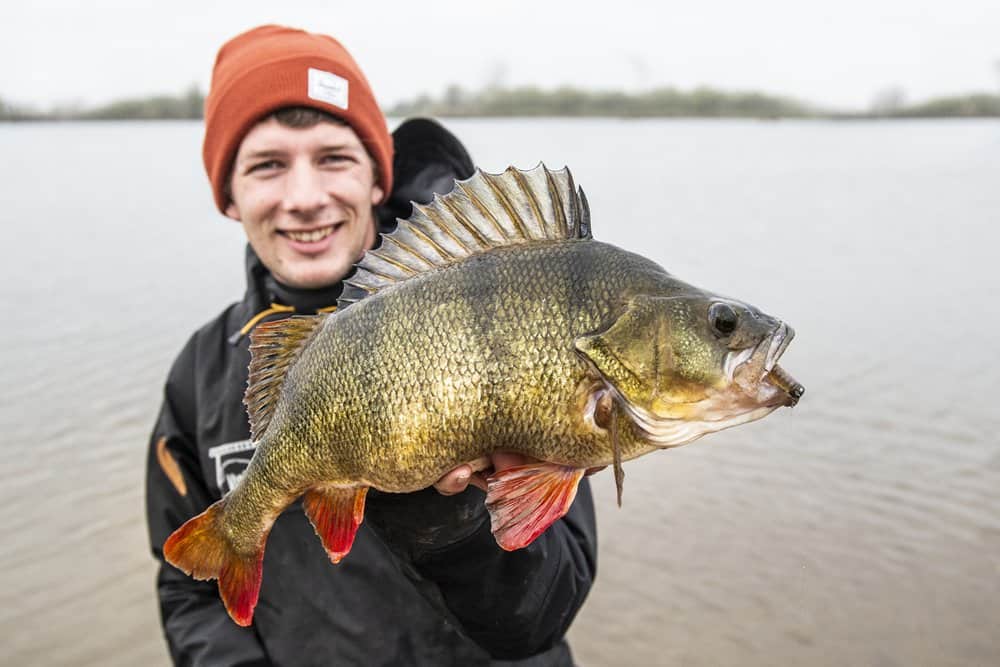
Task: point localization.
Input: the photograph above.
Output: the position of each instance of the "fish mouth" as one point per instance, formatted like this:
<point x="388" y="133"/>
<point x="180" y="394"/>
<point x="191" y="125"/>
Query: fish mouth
<point x="779" y="343"/>
<point x="756" y="371"/>
<point x="755" y="385"/>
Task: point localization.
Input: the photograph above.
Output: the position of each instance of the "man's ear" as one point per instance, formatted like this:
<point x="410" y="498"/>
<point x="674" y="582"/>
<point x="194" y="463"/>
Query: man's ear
<point x="377" y="194"/>
<point x="233" y="212"/>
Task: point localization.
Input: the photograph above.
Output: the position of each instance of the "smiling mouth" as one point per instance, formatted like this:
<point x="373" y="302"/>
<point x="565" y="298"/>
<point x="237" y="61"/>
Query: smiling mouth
<point x="310" y="236"/>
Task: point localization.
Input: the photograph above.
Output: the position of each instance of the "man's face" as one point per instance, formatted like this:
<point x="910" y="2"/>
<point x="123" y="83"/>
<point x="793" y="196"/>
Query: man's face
<point x="305" y="197"/>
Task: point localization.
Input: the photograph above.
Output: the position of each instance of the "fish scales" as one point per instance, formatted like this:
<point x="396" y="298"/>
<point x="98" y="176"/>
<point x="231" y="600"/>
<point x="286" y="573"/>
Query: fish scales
<point x="451" y="365"/>
<point x="512" y="330"/>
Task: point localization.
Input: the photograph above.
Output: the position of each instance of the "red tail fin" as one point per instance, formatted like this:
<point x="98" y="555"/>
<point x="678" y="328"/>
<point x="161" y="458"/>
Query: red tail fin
<point x="336" y="513"/>
<point x="200" y="549"/>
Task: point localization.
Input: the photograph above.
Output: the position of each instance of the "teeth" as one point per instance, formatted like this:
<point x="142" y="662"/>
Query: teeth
<point x="310" y="237"/>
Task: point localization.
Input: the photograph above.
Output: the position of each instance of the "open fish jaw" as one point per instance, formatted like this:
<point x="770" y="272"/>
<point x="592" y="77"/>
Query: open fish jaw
<point x="750" y="393"/>
<point x="751" y="373"/>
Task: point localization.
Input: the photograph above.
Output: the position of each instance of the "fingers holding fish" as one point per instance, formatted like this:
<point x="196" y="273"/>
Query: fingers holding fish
<point x="476" y="472"/>
<point x="460" y="477"/>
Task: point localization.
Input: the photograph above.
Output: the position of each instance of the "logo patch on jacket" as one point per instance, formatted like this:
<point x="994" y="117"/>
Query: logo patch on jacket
<point x="231" y="461"/>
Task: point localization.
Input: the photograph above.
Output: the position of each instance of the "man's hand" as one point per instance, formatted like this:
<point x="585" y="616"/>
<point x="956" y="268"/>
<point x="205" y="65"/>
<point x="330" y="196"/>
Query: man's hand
<point x="475" y="472"/>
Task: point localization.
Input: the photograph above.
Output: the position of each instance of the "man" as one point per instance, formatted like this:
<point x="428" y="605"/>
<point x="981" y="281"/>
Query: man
<point x="298" y="152"/>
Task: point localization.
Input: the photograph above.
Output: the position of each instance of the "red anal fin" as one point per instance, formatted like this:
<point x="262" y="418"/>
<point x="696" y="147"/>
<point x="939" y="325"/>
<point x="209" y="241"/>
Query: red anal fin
<point x="200" y="549"/>
<point x="336" y="512"/>
<point x="525" y="500"/>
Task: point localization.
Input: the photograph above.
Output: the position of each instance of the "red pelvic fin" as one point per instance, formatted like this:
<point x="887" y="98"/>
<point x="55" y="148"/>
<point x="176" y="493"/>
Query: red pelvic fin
<point x="525" y="500"/>
<point x="336" y="512"/>
<point x="200" y="549"/>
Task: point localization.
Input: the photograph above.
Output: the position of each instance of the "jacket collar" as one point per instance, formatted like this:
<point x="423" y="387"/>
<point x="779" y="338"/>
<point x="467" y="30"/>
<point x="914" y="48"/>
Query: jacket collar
<point x="263" y="290"/>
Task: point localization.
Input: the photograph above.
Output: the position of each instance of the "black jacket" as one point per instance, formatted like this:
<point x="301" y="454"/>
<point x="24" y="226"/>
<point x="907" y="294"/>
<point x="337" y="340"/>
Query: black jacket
<point x="424" y="584"/>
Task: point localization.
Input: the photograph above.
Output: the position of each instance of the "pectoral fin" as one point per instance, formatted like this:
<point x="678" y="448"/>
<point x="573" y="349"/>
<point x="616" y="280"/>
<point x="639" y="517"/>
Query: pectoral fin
<point x="336" y="512"/>
<point x="525" y="500"/>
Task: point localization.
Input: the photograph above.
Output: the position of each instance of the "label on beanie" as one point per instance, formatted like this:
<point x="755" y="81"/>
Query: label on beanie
<point x="328" y="87"/>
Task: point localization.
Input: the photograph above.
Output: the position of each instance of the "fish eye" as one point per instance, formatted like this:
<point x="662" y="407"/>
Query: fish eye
<point x="723" y="318"/>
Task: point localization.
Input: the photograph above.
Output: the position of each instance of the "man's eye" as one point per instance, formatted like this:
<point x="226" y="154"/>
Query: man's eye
<point x="264" y="166"/>
<point x="335" y="158"/>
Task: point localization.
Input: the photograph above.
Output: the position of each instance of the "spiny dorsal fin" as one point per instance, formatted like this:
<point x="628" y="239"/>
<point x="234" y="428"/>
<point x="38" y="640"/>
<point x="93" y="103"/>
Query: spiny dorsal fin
<point x="274" y="346"/>
<point x="484" y="212"/>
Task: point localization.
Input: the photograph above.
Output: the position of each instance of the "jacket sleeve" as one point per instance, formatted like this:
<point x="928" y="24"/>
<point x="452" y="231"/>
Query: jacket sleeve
<point x="513" y="604"/>
<point x="197" y="628"/>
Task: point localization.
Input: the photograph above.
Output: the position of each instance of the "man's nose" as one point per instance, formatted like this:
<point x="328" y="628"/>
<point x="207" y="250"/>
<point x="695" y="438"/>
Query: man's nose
<point x="304" y="191"/>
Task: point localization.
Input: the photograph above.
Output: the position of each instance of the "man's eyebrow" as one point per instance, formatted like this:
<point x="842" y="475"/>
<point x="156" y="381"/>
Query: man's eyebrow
<point x="266" y="153"/>
<point x="263" y="153"/>
<point x="335" y="147"/>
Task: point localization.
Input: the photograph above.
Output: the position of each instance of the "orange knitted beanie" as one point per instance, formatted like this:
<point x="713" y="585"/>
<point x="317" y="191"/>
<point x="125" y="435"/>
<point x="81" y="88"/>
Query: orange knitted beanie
<point x="270" y="67"/>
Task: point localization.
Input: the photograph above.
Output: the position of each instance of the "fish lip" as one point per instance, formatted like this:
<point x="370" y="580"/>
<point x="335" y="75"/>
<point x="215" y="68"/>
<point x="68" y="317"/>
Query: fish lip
<point x="780" y="340"/>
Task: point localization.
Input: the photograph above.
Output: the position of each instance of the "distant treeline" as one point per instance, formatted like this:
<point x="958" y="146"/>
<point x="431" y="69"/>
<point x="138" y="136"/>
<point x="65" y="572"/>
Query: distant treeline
<point x="187" y="105"/>
<point x="564" y="101"/>
<point x="671" y="103"/>
<point x="568" y="101"/>
<point x="977" y="105"/>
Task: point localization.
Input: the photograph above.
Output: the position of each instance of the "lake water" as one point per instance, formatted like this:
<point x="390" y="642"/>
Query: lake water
<point x="862" y="527"/>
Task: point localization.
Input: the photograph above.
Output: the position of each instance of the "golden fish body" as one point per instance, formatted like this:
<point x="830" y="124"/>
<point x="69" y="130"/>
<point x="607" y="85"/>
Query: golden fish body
<point x="454" y="364"/>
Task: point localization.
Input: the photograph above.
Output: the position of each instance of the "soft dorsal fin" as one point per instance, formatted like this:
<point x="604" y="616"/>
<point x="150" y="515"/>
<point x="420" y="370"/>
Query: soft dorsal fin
<point x="484" y="212"/>
<point x="274" y="346"/>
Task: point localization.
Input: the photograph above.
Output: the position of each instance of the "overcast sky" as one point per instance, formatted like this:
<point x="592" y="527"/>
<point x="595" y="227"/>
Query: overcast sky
<point x="838" y="54"/>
